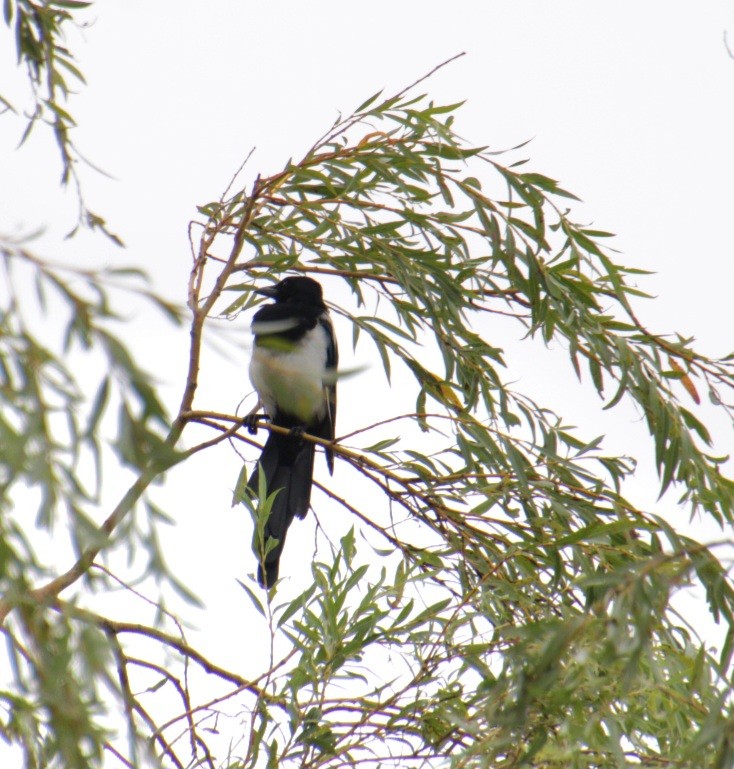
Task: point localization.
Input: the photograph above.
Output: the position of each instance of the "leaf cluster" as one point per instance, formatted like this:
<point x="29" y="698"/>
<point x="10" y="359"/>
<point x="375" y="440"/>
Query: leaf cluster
<point x="63" y="369"/>
<point x="392" y="669"/>
<point x="40" y="30"/>
<point x="504" y="604"/>
<point x="555" y="595"/>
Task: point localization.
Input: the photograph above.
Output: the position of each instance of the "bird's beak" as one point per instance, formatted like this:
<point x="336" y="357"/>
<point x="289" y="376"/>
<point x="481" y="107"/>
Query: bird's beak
<point x="269" y="291"/>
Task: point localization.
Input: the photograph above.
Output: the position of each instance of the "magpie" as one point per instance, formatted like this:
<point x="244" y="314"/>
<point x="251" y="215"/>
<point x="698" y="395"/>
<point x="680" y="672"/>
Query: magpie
<point x="293" y="369"/>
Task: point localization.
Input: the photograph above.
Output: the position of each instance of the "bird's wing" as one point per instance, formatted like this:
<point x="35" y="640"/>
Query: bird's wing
<point x="328" y="430"/>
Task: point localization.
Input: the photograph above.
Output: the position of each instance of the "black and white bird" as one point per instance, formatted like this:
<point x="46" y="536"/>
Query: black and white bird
<point x="293" y="370"/>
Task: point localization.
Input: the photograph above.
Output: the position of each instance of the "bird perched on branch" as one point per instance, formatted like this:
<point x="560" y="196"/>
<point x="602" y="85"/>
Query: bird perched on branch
<point x="293" y="370"/>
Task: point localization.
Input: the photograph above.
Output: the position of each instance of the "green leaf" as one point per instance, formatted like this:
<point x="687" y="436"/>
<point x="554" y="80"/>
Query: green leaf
<point x="254" y="599"/>
<point x="363" y="106"/>
<point x="99" y="405"/>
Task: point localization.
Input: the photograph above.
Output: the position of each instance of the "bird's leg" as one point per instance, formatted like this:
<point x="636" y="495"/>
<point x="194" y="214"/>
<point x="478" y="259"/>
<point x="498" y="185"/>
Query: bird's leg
<point x="250" y="420"/>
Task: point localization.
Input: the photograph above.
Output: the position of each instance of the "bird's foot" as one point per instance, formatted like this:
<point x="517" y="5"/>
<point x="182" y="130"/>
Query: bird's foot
<point x="250" y="422"/>
<point x="297" y="432"/>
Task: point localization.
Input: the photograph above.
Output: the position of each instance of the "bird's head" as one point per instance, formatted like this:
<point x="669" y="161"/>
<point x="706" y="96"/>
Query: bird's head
<point x="294" y="288"/>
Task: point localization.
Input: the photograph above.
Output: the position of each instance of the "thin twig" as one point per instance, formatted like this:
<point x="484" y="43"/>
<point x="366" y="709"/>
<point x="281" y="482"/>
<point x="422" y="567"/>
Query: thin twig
<point x="116" y="753"/>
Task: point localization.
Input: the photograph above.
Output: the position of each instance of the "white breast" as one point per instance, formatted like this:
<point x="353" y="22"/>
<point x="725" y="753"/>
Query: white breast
<point x="292" y="379"/>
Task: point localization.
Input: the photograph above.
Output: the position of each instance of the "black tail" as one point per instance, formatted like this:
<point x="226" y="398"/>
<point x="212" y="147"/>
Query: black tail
<point x="287" y="462"/>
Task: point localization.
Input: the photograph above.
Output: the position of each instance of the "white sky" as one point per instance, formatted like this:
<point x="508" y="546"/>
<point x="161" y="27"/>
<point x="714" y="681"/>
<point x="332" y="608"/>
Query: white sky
<point x="629" y="105"/>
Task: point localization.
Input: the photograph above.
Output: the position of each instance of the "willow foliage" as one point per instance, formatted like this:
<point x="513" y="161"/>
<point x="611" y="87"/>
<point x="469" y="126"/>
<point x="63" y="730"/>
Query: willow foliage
<point x="531" y="609"/>
<point x="498" y="601"/>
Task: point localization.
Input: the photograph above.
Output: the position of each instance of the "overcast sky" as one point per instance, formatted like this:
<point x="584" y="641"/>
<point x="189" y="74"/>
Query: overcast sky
<point x="628" y="104"/>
